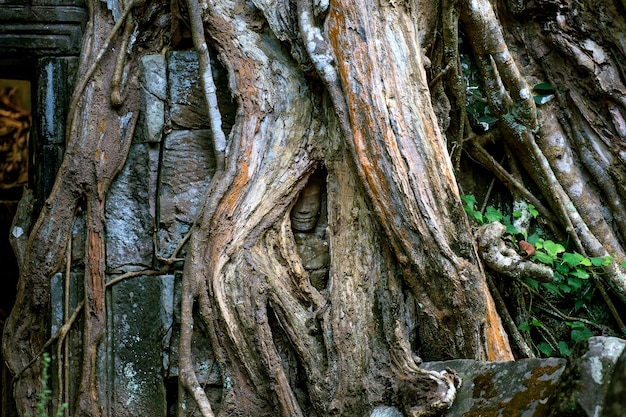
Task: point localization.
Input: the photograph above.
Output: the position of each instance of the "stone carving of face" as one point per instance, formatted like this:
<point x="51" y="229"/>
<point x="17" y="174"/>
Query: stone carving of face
<point x="306" y="211"/>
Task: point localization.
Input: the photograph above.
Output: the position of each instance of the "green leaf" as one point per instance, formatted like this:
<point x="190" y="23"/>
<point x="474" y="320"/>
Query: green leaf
<point x="623" y="264"/>
<point x="544" y="258"/>
<point x="545" y="348"/>
<point x="478" y="216"/>
<point x="562" y="268"/>
<point x="578" y="304"/>
<point x="523" y="327"/>
<point x="532" y="283"/>
<point x="574" y="283"/>
<point x="536" y="323"/>
<point x="469" y="200"/>
<point x="517" y="214"/>
<point x="543" y="88"/>
<point x="553" y="249"/>
<point x="492" y="214"/>
<point x="583" y="334"/>
<point x="533" y="211"/>
<point x="564" y="350"/>
<point x="572" y="259"/>
<point x="600" y="260"/>
<point x="580" y="273"/>
<point x="533" y="239"/>
<point x="510" y="229"/>
<point x="553" y="288"/>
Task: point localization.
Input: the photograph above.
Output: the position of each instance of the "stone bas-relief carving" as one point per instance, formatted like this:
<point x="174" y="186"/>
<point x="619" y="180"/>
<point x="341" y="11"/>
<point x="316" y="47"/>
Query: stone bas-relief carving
<point x="308" y="222"/>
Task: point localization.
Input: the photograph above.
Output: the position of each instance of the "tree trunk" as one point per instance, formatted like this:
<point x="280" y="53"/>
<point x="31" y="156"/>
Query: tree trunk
<point x="332" y="245"/>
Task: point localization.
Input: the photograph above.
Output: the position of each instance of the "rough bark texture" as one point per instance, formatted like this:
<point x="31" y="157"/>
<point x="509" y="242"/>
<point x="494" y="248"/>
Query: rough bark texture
<point x="331" y="246"/>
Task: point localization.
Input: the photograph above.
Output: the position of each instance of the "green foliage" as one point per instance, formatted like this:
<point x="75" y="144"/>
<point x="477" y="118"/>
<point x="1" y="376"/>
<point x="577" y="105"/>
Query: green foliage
<point x="476" y="104"/>
<point x="491" y="214"/>
<point x="544" y="92"/>
<point x="45" y="396"/>
<point x="572" y="285"/>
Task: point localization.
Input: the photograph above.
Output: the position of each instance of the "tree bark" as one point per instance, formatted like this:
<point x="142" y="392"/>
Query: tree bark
<point x="332" y="245"/>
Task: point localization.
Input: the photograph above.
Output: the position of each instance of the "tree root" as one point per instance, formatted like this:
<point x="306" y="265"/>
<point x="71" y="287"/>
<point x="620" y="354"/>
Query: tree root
<point x="508" y="320"/>
<point x="505" y="260"/>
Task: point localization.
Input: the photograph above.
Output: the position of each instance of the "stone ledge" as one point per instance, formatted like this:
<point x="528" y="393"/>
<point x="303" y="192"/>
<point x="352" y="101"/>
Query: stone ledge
<point x="536" y="387"/>
<point x="41" y="30"/>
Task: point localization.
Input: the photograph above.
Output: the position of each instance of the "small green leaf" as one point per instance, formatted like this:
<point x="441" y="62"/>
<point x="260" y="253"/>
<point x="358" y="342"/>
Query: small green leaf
<point x="543" y="88"/>
<point x="492" y="214"/>
<point x="533" y="239"/>
<point x="533" y="211"/>
<point x="510" y="229"/>
<point x="545" y="348"/>
<point x="580" y="273"/>
<point x="478" y="216"/>
<point x="623" y="264"/>
<point x="578" y="304"/>
<point x="562" y="268"/>
<point x="574" y="283"/>
<point x="532" y="283"/>
<point x="553" y="288"/>
<point x="523" y="327"/>
<point x="564" y="350"/>
<point x="582" y="334"/>
<point x="544" y="258"/>
<point x="553" y="249"/>
<point x="536" y="323"/>
<point x="572" y="259"/>
<point x="469" y="201"/>
<point x="517" y="214"/>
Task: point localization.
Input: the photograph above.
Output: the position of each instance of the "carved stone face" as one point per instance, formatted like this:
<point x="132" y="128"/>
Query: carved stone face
<point x="305" y="212"/>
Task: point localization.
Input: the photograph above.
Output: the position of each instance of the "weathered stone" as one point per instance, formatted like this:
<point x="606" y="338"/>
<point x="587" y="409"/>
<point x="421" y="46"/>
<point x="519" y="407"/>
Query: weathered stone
<point x="129" y="222"/>
<point x="516" y="388"/>
<point x="615" y="400"/>
<point x="585" y="381"/>
<point x="186" y="98"/>
<point x="36" y="29"/>
<point x="186" y="169"/>
<point x="55" y="81"/>
<point x="384" y="411"/>
<point x="187" y="103"/>
<point x="153" y="81"/>
<point x="137" y="341"/>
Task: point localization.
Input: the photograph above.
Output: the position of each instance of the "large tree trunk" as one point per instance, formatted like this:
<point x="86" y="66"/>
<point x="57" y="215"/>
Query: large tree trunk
<point x="333" y="223"/>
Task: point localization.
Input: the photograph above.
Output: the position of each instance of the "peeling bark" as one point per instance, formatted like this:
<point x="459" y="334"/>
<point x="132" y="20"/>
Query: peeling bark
<point x="328" y="318"/>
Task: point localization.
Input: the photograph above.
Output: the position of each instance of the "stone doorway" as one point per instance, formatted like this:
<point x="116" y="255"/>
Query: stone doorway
<point x="39" y="45"/>
<point x="15" y="128"/>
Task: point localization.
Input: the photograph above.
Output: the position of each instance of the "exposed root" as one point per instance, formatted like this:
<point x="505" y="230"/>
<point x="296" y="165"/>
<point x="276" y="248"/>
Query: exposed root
<point x="505" y="260"/>
<point x="508" y="320"/>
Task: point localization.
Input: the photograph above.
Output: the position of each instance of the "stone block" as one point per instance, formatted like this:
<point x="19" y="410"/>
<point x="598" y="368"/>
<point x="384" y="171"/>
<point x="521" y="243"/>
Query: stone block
<point x="615" y="400"/>
<point x="187" y="103"/>
<point x="137" y="342"/>
<point x="54" y="89"/>
<point x="585" y="381"/>
<point x="187" y="166"/>
<point x="153" y="81"/>
<point x="515" y="388"/>
<point x="41" y="30"/>
<point x="129" y="222"/>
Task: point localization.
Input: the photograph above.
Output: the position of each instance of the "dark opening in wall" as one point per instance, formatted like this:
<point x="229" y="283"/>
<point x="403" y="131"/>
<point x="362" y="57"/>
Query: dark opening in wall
<point x="15" y="139"/>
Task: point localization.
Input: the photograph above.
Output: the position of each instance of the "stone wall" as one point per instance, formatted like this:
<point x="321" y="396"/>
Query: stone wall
<point x="150" y="207"/>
